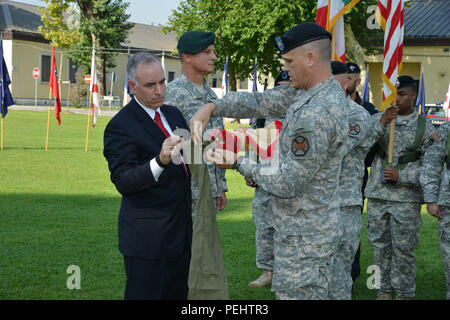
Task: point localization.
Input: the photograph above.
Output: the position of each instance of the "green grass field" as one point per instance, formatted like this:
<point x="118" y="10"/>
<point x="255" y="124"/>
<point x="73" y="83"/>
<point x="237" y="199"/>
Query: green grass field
<point x="58" y="208"/>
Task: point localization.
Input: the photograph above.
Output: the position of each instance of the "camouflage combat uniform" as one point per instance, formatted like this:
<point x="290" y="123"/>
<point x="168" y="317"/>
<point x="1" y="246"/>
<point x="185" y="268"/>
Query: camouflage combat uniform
<point x="393" y="210"/>
<point x="183" y="94"/>
<point x="305" y="183"/>
<point x="363" y="133"/>
<point x="262" y="217"/>
<point x="435" y="182"/>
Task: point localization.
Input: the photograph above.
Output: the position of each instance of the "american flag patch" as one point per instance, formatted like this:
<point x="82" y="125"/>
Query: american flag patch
<point x="435" y="135"/>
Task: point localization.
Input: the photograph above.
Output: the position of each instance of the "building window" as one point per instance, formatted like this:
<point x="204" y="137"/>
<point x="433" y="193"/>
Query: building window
<point x="45" y="67"/>
<point x="73" y="68"/>
<point x="214" y="83"/>
<point x="171" y="76"/>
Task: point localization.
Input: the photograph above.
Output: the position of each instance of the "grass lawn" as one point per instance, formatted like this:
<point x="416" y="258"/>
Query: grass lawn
<point x="58" y="208"/>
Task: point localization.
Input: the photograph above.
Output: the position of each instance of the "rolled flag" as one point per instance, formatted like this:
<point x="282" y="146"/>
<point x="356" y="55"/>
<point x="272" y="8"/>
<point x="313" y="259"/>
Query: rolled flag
<point x="420" y="102"/>
<point x="93" y="89"/>
<point x="225" y="79"/>
<point x="126" y="89"/>
<point x="6" y="98"/>
<point x="446" y="103"/>
<point x="365" y="90"/>
<point x="53" y="85"/>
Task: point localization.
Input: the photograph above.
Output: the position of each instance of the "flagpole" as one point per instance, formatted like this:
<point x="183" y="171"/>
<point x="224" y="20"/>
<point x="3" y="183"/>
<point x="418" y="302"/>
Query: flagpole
<point x="89" y="116"/>
<point x="2" y="132"/>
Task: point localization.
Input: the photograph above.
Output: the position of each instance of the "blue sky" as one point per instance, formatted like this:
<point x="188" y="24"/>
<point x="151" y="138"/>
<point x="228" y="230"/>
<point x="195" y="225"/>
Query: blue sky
<point x="142" y="11"/>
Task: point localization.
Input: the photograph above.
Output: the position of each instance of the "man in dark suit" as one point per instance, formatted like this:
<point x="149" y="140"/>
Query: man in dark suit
<point x="155" y="226"/>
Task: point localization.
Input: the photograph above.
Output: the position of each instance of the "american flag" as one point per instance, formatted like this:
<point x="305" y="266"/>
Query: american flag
<point x="390" y="16"/>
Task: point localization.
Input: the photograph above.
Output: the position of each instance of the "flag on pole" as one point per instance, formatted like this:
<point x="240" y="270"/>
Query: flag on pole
<point x="365" y="90"/>
<point x="225" y="79"/>
<point x="6" y="98"/>
<point x="390" y="15"/>
<point x="446" y="104"/>
<point x="163" y="63"/>
<point x="330" y="15"/>
<point x="93" y="89"/>
<point x="255" y="76"/>
<point x="126" y="89"/>
<point x="420" y="102"/>
<point x="53" y="85"/>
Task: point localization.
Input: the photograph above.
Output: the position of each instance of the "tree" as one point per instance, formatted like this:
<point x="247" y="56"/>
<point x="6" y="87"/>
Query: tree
<point x="101" y="22"/>
<point x="247" y="29"/>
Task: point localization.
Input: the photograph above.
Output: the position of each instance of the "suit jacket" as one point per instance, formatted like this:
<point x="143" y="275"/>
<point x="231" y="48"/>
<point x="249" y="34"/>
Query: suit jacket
<point x="155" y="216"/>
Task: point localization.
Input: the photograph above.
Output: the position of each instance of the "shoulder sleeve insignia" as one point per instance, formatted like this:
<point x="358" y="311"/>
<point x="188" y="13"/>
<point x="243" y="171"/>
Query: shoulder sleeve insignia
<point x="300" y="146"/>
<point x="354" y="129"/>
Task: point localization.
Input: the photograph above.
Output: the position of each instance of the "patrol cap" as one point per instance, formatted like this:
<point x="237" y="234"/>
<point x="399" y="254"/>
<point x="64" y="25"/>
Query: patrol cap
<point x="283" y="76"/>
<point x="300" y="35"/>
<point x="405" y="82"/>
<point x="353" y="67"/>
<point x="194" y="41"/>
<point x="338" y="67"/>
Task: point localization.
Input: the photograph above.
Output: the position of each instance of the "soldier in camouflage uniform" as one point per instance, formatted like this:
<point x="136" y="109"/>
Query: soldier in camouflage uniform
<point x="189" y="92"/>
<point x="262" y="215"/>
<point x="435" y="182"/>
<point x="363" y="133"/>
<point x="305" y="184"/>
<point x="393" y="206"/>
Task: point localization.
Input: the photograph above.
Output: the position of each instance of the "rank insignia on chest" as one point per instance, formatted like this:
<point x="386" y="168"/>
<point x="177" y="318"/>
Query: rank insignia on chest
<point x="300" y="146"/>
<point x="354" y="129"/>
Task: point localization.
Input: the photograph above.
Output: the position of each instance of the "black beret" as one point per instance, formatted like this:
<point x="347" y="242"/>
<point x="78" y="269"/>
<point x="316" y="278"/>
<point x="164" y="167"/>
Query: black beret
<point x="300" y="35"/>
<point x="338" y="67"/>
<point x="405" y="81"/>
<point x="283" y="76"/>
<point x="353" y="67"/>
<point x="193" y="42"/>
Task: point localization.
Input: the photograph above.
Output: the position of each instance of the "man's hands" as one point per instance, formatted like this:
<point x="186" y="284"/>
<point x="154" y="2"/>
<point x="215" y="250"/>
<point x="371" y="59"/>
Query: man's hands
<point x="221" y="158"/>
<point x="221" y="201"/>
<point x="199" y="121"/>
<point x="390" y="174"/>
<point x="170" y="148"/>
<point x="434" y="210"/>
<point x="389" y="114"/>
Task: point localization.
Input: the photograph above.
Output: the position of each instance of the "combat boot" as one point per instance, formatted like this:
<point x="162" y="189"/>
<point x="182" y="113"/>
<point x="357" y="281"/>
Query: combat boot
<point x="384" y="296"/>
<point x="264" y="279"/>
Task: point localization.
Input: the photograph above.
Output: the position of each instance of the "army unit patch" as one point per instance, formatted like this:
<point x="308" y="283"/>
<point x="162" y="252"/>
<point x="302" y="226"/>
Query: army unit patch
<point x="354" y="129"/>
<point x="300" y="146"/>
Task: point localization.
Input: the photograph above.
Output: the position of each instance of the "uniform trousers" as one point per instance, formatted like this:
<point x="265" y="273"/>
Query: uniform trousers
<point x="393" y="232"/>
<point x="444" y="240"/>
<point x="262" y="216"/>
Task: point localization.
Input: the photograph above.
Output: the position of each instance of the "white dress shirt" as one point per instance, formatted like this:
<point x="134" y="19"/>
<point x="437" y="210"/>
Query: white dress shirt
<point x="156" y="169"/>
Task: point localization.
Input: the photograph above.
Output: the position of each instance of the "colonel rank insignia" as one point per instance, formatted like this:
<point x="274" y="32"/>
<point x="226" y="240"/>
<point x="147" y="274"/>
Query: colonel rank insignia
<point x="354" y="129"/>
<point x="300" y="146"/>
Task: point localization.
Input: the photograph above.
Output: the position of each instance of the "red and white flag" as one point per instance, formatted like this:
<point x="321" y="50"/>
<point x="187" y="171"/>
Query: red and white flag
<point x="53" y="85"/>
<point x="390" y="16"/>
<point x="93" y="89"/>
<point x="446" y="104"/>
<point x="330" y="15"/>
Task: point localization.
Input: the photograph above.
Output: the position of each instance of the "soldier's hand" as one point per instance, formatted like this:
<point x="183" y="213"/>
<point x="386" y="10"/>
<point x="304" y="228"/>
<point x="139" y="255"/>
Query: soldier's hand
<point x="434" y="210"/>
<point x="251" y="183"/>
<point x="170" y="148"/>
<point x="221" y="158"/>
<point x="390" y="174"/>
<point x="199" y="121"/>
<point x="389" y="114"/>
<point x="221" y="201"/>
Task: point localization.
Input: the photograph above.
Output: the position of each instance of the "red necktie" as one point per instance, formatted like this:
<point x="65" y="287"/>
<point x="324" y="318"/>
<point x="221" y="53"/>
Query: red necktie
<point x="167" y="134"/>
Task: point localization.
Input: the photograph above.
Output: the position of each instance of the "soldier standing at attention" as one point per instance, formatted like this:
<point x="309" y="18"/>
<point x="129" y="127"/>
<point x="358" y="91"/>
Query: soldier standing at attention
<point x="305" y="183"/>
<point x="435" y="182"/>
<point x="189" y="92"/>
<point x="395" y="197"/>
<point x="363" y="133"/>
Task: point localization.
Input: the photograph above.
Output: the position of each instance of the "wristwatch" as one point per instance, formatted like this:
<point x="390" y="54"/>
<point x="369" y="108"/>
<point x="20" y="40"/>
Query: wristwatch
<point x="158" y="161"/>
